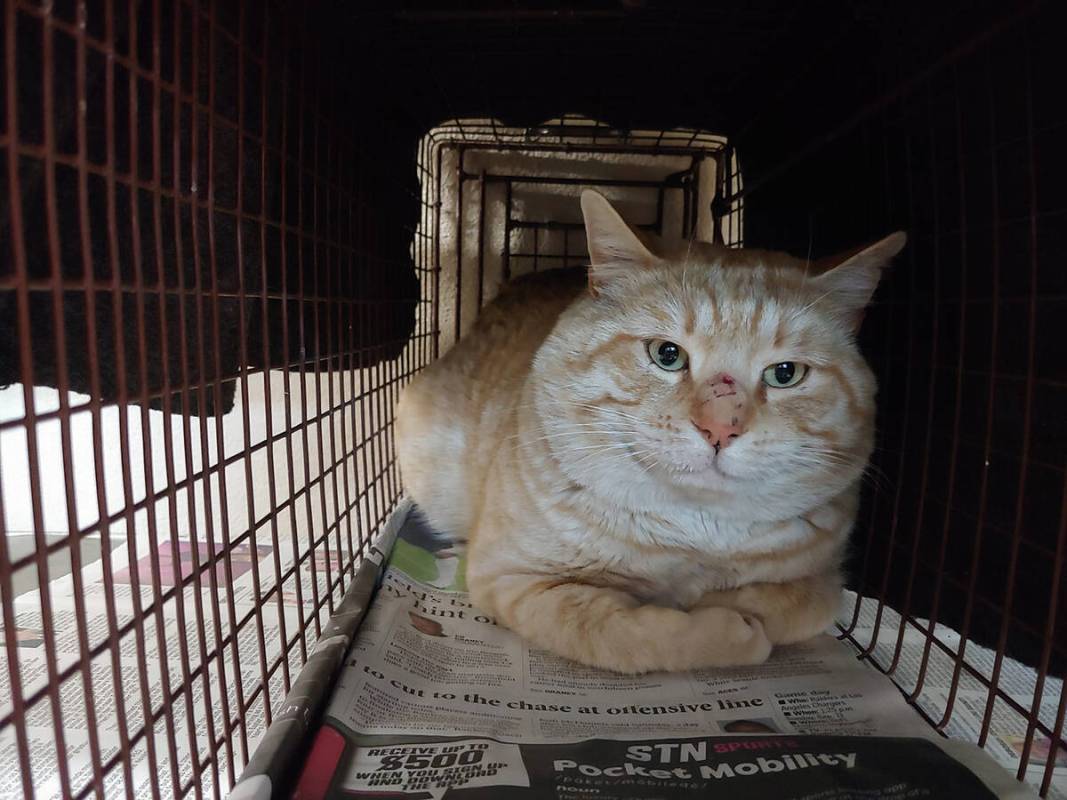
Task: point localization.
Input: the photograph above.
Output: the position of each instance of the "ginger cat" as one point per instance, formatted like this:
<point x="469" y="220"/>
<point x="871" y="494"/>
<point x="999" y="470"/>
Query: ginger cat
<point x="657" y="465"/>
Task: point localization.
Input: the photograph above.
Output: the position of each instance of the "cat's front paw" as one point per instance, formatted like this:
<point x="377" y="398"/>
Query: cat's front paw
<point x="799" y="624"/>
<point x="728" y="638"/>
<point x="790" y="612"/>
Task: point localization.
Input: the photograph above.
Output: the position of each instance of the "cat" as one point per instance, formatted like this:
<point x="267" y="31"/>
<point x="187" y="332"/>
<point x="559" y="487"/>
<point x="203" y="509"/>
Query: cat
<point x="656" y="462"/>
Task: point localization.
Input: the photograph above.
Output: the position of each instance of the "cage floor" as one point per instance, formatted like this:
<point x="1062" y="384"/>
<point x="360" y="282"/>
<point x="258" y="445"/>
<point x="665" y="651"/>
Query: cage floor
<point x="425" y="664"/>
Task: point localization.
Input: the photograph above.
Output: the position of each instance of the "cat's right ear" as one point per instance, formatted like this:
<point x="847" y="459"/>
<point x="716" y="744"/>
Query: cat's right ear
<point x="614" y="248"/>
<point x="851" y="278"/>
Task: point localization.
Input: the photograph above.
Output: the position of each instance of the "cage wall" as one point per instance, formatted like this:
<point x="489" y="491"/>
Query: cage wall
<point x="963" y="526"/>
<point x="208" y="304"/>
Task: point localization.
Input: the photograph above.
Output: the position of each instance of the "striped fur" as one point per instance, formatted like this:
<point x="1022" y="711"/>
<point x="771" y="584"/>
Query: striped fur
<point x="601" y="523"/>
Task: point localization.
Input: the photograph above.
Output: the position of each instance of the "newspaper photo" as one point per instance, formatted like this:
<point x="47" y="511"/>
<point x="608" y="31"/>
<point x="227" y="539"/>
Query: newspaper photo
<point x="435" y="700"/>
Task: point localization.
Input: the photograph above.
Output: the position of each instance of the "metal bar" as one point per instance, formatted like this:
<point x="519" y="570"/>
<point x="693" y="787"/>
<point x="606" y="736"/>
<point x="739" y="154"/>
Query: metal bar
<point x="509" y="225"/>
<point x="62" y="380"/>
<point x="215" y="323"/>
<point x="19" y="257"/>
<point x="905" y="415"/>
<point x="268" y="414"/>
<point x="884" y="379"/>
<point x="459" y="243"/>
<point x="187" y="444"/>
<point x="202" y="322"/>
<point x="147" y="448"/>
<point x="168" y="443"/>
<point x="481" y="239"/>
<point x="305" y="92"/>
<point x="931" y="393"/>
<point x="347" y="212"/>
<point x="983" y="492"/>
<point x="14" y="674"/>
<point x="242" y="337"/>
<point x="595" y="148"/>
<point x="436" y="253"/>
<point x="123" y="391"/>
<point x="317" y="94"/>
<point x="632" y="183"/>
<point x="950" y="489"/>
<point x="1028" y="408"/>
<point x="284" y="270"/>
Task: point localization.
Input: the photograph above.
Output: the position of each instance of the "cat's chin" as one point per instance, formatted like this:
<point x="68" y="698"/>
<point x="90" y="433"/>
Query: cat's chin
<point x="704" y="473"/>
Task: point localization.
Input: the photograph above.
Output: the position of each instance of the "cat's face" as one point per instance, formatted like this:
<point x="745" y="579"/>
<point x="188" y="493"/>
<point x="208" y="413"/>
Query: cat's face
<point x="722" y="378"/>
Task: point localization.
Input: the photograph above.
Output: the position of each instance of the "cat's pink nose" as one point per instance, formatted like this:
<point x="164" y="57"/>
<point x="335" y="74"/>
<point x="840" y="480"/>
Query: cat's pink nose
<point x="717" y="433"/>
<point x="720" y="411"/>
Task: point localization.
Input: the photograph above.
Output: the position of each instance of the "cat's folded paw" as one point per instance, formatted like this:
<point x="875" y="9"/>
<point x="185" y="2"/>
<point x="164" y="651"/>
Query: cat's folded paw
<point x="799" y="625"/>
<point x="728" y="638"/>
<point x="790" y="612"/>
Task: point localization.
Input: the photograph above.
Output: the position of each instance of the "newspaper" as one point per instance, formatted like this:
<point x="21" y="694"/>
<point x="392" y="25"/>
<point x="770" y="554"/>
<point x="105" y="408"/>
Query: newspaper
<point x="436" y="700"/>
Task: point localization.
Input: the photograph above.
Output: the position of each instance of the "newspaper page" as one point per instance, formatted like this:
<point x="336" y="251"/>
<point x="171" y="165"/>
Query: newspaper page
<point x="1008" y="730"/>
<point x="436" y="700"/>
<point x="150" y="665"/>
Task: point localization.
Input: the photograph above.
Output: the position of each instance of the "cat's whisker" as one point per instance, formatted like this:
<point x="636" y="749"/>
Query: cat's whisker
<point x="611" y="455"/>
<point x="652" y="463"/>
<point x="569" y="402"/>
<point x="873" y="480"/>
<point x="594" y="423"/>
<point x="611" y="446"/>
<point x="577" y="433"/>
<point x="566" y="425"/>
<point x="820" y="458"/>
<point x="880" y="474"/>
<point x="554" y="444"/>
<point x="583" y="428"/>
<point x="608" y="410"/>
<point x="605" y="459"/>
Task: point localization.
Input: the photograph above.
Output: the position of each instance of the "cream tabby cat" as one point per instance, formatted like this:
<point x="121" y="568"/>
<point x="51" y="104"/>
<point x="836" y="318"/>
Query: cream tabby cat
<point x="657" y="470"/>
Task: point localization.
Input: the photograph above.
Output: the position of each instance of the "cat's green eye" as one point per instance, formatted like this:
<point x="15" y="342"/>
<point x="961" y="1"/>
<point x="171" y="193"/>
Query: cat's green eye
<point x="784" y="374"/>
<point x="667" y="355"/>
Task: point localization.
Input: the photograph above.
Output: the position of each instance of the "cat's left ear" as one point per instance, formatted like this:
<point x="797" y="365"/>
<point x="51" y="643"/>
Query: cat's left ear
<point x="613" y="247"/>
<point x="850" y="278"/>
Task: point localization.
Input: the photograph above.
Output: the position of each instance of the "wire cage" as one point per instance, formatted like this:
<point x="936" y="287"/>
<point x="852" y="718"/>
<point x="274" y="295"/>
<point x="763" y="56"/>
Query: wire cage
<point x="507" y="198"/>
<point x="230" y="232"/>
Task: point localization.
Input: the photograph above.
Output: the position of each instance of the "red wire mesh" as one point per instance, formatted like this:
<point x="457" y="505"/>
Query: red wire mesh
<point x="186" y="232"/>
<point x="964" y="528"/>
